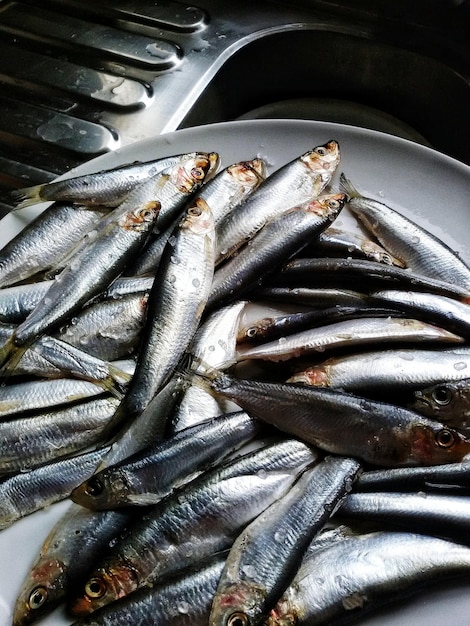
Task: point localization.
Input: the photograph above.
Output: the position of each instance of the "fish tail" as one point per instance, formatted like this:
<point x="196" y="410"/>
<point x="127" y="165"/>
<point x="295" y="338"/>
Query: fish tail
<point x="10" y="356"/>
<point x="347" y="187"/>
<point x="27" y="196"/>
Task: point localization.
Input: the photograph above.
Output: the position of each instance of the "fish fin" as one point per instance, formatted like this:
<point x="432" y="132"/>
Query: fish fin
<point x="347" y="187"/>
<point x="27" y="196"/>
<point x="143" y="499"/>
<point x="10" y="356"/>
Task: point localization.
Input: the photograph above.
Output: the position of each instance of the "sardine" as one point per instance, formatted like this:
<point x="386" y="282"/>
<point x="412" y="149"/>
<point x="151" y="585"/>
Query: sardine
<point x="64" y="558"/>
<point x="265" y="556"/>
<point x="447" y="401"/>
<point x="148" y="476"/>
<point x="356" y="332"/>
<point x="27" y="492"/>
<point x="196" y="521"/>
<point x="298" y="181"/>
<point x="361" y="573"/>
<point x="345" y="424"/>
<point x="107" y="187"/>
<point x="175" y="306"/>
<point x="420" y="250"/>
<point x="280" y="238"/>
<point x="45" y="241"/>
<point x="387" y="370"/>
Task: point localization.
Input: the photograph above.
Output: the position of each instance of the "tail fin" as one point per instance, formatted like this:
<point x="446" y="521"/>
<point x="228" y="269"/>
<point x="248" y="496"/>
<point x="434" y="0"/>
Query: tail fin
<point x="347" y="187"/>
<point x="27" y="196"/>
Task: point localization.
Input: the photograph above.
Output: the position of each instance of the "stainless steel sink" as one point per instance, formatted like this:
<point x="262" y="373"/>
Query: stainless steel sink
<point x="80" y="78"/>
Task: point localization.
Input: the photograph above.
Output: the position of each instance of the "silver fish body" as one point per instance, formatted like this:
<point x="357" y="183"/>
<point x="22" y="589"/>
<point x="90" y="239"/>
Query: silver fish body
<point x="175" y="306"/>
<point x="199" y="519"/>
<point x="45" y="241"/>
<point x="298" y="181"/>
<point x="346" y="580"/>
<point x="265" y="556"/>
<point x="357" y="332"/>
<point x="422" y="251"/>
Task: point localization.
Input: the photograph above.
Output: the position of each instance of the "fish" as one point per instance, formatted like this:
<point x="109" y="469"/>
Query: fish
<point x="439" y="514"/>
<point x="346" y="424"/>
<point x="175" y="306"/>
<point x="298" y="181"/>
<point x="106" y="187"/>
<point x="47" y="435"/>
<point x="148" y="476"/>
<point x="389" y="370"/>
<point x="90" y="271"/>
<point x="183" y="600"/>
<point x="280" y="238"/>
<point x="79" y="536"/>
<point x="446" y="401"/>
<point x="417" y="247"/>
<point x="45" y="241"/>
<point x="27" y="492"/>
<point x="336" y="241"/>
<point x="196" y="521"/>
<point x="355" y="332"/>
<point x="265" y="556"/>
<point x="365" y="572"/>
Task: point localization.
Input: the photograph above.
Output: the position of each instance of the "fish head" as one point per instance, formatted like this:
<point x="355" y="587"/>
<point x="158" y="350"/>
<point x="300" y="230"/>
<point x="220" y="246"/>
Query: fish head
<point x="238" y="604"/>
<point x="101" y="491"/>
<point x="323" y="159"/>
<point x="198" y="218"/>
<point x="248" y="173"/>
<point x="194" y="171"/>
<point x="447" y="402"/>
<point x="436" y="443"/>
<point x="106" y="584"/>
<point x="43" y="590"/>
<point x="327" y="206"/>
<point x="142" y="217"/>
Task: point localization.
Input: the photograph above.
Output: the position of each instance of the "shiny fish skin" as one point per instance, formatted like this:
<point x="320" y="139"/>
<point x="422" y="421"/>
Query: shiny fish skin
<point x="314" y="296"/>
<point x="441" y="515"/>
<point x="27" y="492"/>
<point x="107" y="187"/>
<point x="265" y="556"/>
<point x="347" y="333"/>
<point x="62" y="562"/>
<point x="361" y="573"/>
<point x="335" y="241"/>
<point x="314" y="272"/>
<point x="279" y="239"/>
<point x="89" y="273"/>
<point x="383" y="370"/>
<point x="196" y="521"/>
<point x="298" y="181"/>
<point x="320" y="416"/>
<point x="437" y="309"/>
<point x="148" y="476"/>
<point x="184" y="600"/>
<point x="452" y="477"/>
<point x="37" y="247"/>
<point x="175" y="306"/>
<point x="108" y="329"/>
<point x="49" y="435"/>
<point x="422" y="251"/>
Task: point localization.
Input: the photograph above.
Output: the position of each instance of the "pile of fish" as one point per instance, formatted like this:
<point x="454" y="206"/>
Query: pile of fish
<point x="259" y="417"/>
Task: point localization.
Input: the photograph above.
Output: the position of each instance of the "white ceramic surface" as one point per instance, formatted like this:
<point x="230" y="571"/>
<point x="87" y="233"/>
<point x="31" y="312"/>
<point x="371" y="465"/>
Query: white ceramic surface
<point x="426" y="185"/>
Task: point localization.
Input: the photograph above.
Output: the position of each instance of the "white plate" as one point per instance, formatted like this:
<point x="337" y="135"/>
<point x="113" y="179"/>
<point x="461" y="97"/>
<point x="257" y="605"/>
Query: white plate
<point x="426" y="185"/>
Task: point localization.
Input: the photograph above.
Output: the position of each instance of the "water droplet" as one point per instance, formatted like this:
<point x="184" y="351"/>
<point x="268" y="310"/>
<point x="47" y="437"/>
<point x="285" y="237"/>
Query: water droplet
<point x="183" y="607"/>
<point x="262" y="474"/>
<point x="249" y="571"/>
<point x="196" y="282"/>
<point x="279" y="536"/>
<point x="460" y="366"/>
<point x="415" y="239"/>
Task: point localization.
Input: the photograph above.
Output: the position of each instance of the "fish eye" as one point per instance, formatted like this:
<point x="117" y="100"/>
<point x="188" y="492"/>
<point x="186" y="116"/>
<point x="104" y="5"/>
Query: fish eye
<point x="197" y="173"/>
<point x="37" y="597"/>
<point x="251" y="332"/>
<point x="442" y="395"/>
<point x="94" y="487"/>
<point x="321" y="151"/>
<point x="333" y="204"/>
<point x="445" y="438"/>
<point x="195" y="211"/>
<point x="238" y="619"/>
<point x="95" y="588"/>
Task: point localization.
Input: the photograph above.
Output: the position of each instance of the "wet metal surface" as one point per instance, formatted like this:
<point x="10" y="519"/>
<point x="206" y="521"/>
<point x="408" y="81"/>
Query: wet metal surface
<point x="79" y="78"/>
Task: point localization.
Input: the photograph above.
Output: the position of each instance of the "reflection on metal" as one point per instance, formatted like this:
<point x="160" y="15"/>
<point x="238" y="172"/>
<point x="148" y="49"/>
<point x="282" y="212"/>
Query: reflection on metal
<point x="81" y="77"/>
